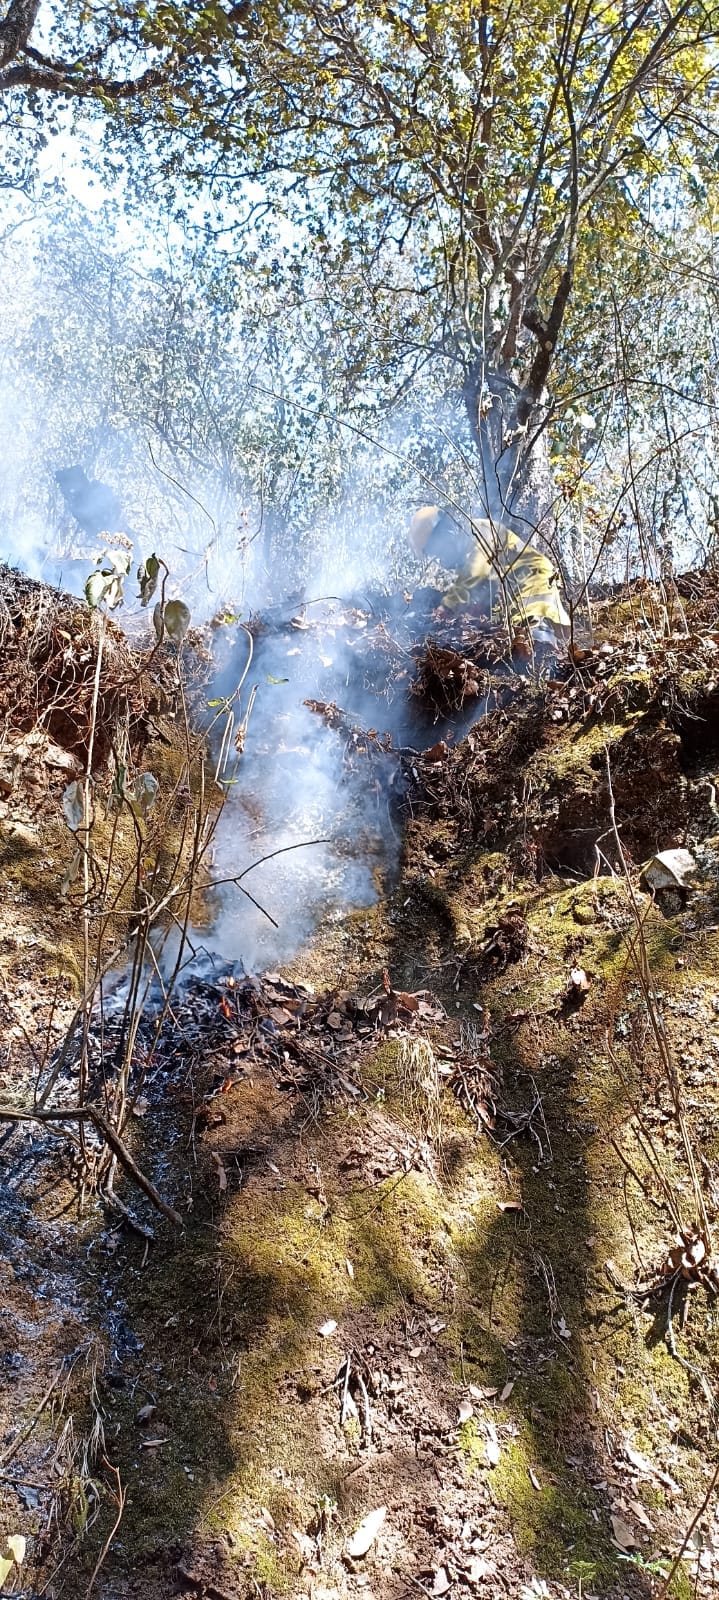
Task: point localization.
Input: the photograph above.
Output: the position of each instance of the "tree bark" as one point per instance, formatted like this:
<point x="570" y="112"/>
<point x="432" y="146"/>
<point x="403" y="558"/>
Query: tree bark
<point x="516" y="486"/>
<point x="16" y="27"/>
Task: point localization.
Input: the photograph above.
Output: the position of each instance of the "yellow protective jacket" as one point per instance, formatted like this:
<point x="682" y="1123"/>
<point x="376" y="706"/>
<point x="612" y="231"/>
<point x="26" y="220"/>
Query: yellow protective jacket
<point x="528" y="577"/>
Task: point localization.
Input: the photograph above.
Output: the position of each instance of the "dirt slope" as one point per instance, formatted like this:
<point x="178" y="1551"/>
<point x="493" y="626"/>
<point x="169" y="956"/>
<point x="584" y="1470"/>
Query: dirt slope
<point x="391" y="1290"/>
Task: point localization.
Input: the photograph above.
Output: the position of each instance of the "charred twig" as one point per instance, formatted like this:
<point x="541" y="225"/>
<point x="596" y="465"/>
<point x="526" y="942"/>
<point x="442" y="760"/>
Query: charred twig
<point x="109" y="1134"/>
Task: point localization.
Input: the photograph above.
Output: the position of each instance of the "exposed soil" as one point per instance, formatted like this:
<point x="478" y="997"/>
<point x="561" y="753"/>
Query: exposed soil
<point x="400" y="1198"/>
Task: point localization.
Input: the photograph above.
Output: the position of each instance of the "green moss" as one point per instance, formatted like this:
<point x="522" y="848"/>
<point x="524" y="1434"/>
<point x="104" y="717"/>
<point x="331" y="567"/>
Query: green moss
<point x="553" y="1524"/>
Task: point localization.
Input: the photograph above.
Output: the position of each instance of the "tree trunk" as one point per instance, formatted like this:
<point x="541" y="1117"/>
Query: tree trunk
<point x="516" y="485"/>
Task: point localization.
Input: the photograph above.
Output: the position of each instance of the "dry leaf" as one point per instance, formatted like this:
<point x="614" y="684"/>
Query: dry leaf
<point x="479" y="1568"/>
<point x="328" y="1328"/>
<point x="507" y="1390"/>
<point x="267" y="1518"/>
<point x="562" y="1329"/>
<point x="16" y="1546"/>
<point x="364" y="1536"/>
<point x="145" y="1413"/>
<point x="350" y="1269"/>
<point x="441" y="1583"/>
<point x="534" y="1480"/>
<point x="6" y="1566"/>
<point x="466" y="1410"/>
<point x="492" y="1450"/>
<point x="623" y="1534"/>
<point x="641" y="1515"/>
<point x="221" y="1173"/>
<point x="334" y="1020"/>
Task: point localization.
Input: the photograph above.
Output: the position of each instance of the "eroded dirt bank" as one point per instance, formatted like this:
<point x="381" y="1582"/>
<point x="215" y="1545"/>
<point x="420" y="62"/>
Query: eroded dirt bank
<point x="400" y="1197"/>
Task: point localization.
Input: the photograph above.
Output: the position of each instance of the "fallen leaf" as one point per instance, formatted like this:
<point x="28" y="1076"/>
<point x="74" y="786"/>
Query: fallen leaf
<point x="334" y="1020"/>
<point x="534" y="1480"/>
<point x="221" y="1173"/>
<point x="144" y="1413"/>
<point x="509" y="1205"/>
<point x="441" y="1583"/>
<point x="267" y="1519"/>
<point x="487" y="1392"/>
<point x="6" y="1566"/>
<point x="466" y="1410"/>
<point x="16" y="1546"/>
<point x="507" y="1390"/>
<point x="141" y="1106"/>
<point x="479" y="1568"/>
<point x="623" y="1534"/>
<point x="579" y="981"/>
<point x="562" y="1329"/>
<point x="492" y="1450"/>
<point x="328" y="1328"/>
<point x="350" y="1269"/>
<point x="364" y="1536"/>
<point x="641" y="1515"/>
<point x="279" y="1016"/>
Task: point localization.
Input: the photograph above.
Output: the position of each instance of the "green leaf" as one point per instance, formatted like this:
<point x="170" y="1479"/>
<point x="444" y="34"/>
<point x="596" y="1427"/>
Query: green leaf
<point x="270" y="679"/>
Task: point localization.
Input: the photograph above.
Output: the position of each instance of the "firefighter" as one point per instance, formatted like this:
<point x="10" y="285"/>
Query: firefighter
<point x="490" y="552"/>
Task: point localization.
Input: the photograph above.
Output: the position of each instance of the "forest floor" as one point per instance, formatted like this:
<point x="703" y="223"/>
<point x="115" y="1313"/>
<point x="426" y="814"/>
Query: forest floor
<point x="431" y="1176"/>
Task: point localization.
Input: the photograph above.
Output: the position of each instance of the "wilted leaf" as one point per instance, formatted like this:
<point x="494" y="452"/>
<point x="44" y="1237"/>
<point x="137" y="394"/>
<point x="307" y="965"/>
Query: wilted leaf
<point x="328" y="1328"/>
<point x="147" y="789"/>
<point x="73" y="805"/>
<point x="364" y="1536"/>
<point x="177" y="620"/>
<point x="96" y="588"/>
<point x="624" y="1535"/>
<point x="147" y="575"/>
<point x="16" y="1544"/>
